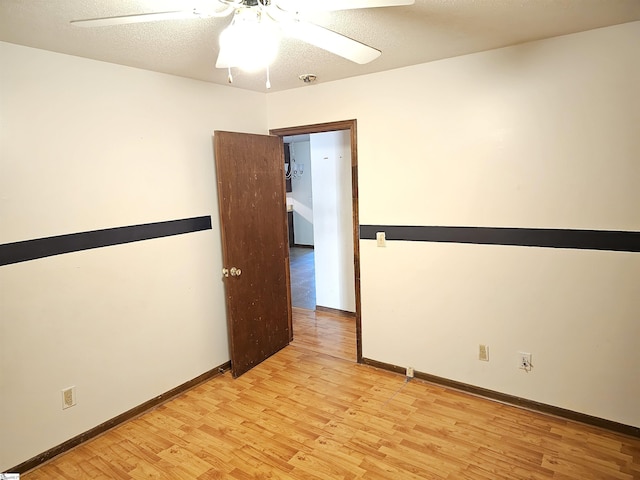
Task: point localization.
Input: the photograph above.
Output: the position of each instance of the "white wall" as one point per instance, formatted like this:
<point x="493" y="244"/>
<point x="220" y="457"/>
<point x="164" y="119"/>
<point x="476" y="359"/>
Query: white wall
<point x="542" y="134"/>
<point x="333" y="220"/>
<point x="88" y="145"/>
<point x="301" y="193"/>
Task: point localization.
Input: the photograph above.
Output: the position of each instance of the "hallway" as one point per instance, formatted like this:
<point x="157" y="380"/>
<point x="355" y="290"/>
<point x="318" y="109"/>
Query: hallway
<point x="303" y="279"/>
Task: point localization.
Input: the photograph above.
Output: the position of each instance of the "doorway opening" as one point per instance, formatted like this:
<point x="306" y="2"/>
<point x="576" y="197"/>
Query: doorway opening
<point x="350" y="161"/>
<point x="300" y="212"/>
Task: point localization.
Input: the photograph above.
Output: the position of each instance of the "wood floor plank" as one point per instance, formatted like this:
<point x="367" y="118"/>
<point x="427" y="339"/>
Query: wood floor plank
<point x="310" y="412"/>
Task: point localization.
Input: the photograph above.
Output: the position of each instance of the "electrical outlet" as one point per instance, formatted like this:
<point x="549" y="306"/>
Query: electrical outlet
<point x="483" y="353"/>
<point x="68" y="397"/>
<point x="381" y="239"/>
<point x="409" y="372"/>
<point x="524" y="361"/>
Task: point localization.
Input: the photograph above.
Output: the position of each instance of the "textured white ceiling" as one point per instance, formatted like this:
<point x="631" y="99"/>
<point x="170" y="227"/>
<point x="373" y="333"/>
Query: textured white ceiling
<point x="429" y="30"/>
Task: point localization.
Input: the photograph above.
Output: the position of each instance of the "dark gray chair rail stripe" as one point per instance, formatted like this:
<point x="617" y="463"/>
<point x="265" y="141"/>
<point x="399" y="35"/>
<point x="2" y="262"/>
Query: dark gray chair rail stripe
<point x="622" y="241"/>
<point x="46" y="247"/>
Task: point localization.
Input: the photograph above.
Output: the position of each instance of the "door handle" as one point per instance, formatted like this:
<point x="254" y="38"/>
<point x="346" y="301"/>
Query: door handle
<point x="234" y="272"/>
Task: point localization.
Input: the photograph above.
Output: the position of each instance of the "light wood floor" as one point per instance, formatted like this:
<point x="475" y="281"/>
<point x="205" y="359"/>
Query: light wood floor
<point x="305" y="414"/>
<point x="326" y="333"/>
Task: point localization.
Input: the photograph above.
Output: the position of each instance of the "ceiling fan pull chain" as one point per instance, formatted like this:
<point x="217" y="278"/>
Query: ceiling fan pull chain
<point x="230" y="77"/>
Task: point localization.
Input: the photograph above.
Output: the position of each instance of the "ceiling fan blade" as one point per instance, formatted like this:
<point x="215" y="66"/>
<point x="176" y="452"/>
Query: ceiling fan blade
<point x="228" y="7"/>
<point x="333" y="5"/>
<point x="331" y="41"/>
<point x="138" y="18"/>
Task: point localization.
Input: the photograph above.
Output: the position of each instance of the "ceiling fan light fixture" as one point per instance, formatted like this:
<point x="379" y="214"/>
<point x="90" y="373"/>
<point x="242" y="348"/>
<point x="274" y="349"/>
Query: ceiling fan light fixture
<point x="250" y="42"/>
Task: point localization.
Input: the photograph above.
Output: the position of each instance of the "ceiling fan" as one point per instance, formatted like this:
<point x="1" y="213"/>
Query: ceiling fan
<point x="251" y="39"/>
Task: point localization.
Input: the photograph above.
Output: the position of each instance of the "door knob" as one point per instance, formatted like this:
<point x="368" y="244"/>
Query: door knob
<point x="233" y="271"/>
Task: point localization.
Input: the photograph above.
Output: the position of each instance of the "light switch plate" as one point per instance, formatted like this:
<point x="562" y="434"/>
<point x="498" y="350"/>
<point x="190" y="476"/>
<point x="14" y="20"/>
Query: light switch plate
<point x="483" y="353"/>
<point x="381" y="239"/>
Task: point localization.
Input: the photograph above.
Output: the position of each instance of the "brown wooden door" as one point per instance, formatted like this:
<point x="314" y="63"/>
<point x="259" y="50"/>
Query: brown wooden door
<point x="253" y="221"/>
